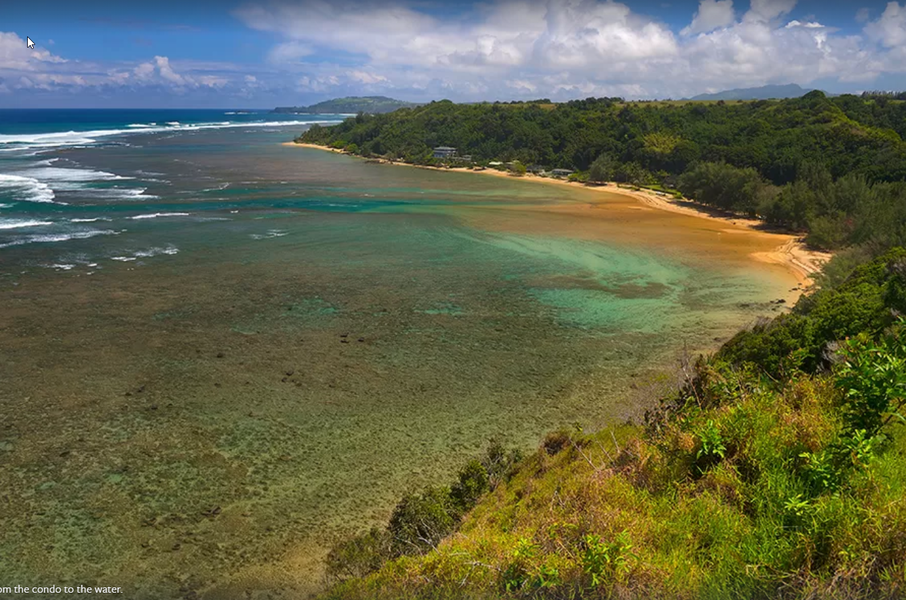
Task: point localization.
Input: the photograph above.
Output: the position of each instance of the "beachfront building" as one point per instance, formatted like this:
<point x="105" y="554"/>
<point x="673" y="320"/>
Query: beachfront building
<point x="562" y="172"/>
<point x="445" y="152"/>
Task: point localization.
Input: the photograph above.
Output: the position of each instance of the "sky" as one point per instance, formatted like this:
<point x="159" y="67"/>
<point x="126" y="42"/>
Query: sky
<point x="266" y="53"/>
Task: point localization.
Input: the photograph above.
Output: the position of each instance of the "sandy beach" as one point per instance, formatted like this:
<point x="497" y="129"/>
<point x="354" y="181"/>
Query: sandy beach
<point x="790" y="251"/>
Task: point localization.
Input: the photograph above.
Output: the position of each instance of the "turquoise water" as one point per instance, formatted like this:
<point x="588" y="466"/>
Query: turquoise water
<point x="219" y="354"/>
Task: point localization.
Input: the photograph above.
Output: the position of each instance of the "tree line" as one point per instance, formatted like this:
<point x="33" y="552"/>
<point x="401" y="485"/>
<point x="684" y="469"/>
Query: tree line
<point x="830" y="167"/>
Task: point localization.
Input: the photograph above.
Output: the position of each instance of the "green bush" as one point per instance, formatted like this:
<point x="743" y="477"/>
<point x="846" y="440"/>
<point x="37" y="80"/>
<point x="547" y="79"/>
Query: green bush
<point x="359" y="556"/>
<point x="607" y="562"/>
<point x="420" y="521"/>
<point x="472" y="483"/>
<point x="865" y="301"/>
<point x="873" y="379"/>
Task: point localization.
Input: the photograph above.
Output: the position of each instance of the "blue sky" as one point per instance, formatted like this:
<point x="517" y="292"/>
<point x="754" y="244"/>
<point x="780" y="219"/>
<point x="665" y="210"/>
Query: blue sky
<point x="263" y="53"/>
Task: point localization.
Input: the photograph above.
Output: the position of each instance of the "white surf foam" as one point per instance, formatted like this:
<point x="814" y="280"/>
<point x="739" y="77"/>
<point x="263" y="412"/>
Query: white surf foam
<point x="71" y="174"/>
<point x="59" y="237"/>
<point x="156" y="215"/>
<point x="122" y="193"/>
<point x="27" y="188"/>
<point x="28" y="141"/>
<point x="45" y="163"/>
<point x="19" y="223"/>
<point x="169" y="251"/>
<point x="93" y="220"/>
<point x="272" y="233"/>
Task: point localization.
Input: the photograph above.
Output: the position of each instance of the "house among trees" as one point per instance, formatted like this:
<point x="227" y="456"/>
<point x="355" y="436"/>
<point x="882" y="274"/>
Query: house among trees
<point x="562" y="172"/>
<point x="444" y="152"/>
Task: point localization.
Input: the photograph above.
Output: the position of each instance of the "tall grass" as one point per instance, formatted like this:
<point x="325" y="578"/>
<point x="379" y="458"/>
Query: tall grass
<point x="750" y="482"/>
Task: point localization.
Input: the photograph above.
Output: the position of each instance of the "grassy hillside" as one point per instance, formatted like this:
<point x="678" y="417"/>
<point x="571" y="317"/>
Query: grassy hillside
<point x="777" y="471"/>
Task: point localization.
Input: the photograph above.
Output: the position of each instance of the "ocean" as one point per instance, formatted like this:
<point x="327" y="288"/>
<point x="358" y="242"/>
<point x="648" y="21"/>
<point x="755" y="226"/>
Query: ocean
<point x="49" y="195"/>
<point x="220" y="354"/>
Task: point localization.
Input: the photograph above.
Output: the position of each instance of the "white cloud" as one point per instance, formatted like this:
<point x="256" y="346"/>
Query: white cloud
<point x="807" y="24"/>
<point x="890" y="29"/>
<point x="166" y="72"/>
<point x="288" y="51"/>
<point x="365" y="77"/>
<point x="522" y="85"/>
<point x="144" y="71"/>
<point x="586" y="33"/>
<point x="39" y="69"/>
<point x="711" y="15"/>
<point x="161" y="72"/>
<point x="768" y="10"/>
<point x="15" y="55"/>
<point x="507" y="48"/>
<point x="498" y="49"/>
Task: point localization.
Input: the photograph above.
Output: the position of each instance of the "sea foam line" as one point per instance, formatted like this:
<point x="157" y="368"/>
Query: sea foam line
<point x="65" y="138"/>
<point x="156" y="215"/>
<point x="37" y="191"/>
<point x="17" y="224"/>
<point x="59" y="237"/>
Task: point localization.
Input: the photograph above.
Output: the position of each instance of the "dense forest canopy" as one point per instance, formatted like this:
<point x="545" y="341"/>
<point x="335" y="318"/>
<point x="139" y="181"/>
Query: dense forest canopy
<point x="833" y="167"/>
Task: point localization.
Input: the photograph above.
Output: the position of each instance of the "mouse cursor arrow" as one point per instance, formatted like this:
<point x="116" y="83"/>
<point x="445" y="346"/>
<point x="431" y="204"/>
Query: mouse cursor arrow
<point x="29" y="44"/>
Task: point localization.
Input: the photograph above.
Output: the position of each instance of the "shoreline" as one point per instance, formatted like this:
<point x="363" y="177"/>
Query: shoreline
<point x="791" y="253"/>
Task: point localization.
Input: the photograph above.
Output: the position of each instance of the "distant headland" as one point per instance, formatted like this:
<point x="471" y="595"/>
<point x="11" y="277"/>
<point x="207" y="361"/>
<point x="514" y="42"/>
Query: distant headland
<point x="349" y="105"/>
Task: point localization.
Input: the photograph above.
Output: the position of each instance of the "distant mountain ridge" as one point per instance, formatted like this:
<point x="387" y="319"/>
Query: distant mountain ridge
<point x="765" y="92"/>
<point x="351" y="104"/>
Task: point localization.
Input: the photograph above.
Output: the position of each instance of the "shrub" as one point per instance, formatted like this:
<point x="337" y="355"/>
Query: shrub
<point x="472" y="483"/>
<point x="420" y="521"/>
<point x="500" y="463"/>
<point x="556" y="441"/>
<point x="602" y="169"/>
<point x="711" y="446"/>
<point x="516" y="574"/>
<point x="359" y="556"/>
<point x="607" y="562"/>
<point x="873" y="379"/>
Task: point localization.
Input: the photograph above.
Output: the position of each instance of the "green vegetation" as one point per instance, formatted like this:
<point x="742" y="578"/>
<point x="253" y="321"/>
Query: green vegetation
<point x="421" y="520"/>
<point x="830" y="167"/>
<point x="777" y="471"/>
<point x="350" y="105"/>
